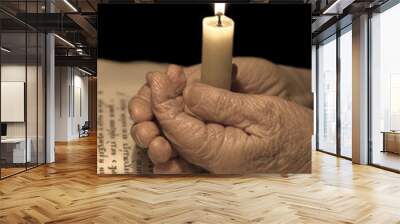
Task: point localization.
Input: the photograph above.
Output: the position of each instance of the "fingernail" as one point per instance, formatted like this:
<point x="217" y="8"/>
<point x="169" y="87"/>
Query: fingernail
<point x="135" y="137"/>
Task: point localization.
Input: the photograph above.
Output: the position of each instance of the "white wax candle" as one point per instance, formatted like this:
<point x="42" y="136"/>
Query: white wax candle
<point x="216" y="66"/>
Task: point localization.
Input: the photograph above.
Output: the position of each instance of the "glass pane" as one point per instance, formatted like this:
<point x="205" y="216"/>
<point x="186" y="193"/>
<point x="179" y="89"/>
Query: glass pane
<point x="31" y="84"/>
<point x="327" y="96"/>
<point x="41" y="98"/>
<point x="346" y="94"/>
<point x="31" y="100"/>
<point x="385" y="84"/>
<point x="13" y="86"/>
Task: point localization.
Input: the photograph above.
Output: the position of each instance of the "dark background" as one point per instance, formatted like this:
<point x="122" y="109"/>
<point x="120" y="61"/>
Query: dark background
<point x="172" y="32"/>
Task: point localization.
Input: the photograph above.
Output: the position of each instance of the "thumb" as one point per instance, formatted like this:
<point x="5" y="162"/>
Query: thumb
<point x="222" y="106"/>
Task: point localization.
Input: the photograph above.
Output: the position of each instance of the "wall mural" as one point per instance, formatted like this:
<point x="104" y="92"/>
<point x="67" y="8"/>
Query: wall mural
<point x="204" y="89"/>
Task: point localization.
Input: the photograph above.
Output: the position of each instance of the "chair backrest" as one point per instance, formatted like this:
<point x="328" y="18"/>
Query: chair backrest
<point x="86" y="125"/>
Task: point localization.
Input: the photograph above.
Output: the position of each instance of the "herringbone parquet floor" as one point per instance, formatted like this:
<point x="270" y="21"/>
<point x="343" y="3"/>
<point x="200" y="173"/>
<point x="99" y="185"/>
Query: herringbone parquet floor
<point x="69" y="191"/>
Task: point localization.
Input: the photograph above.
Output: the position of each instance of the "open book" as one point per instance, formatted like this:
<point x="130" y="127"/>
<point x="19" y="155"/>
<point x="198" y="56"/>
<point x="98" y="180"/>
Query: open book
<point x="117" y="83"/>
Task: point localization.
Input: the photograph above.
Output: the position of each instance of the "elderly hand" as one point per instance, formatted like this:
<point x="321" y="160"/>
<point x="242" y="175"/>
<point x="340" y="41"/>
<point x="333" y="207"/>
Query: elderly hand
<point x="223" y="131"/>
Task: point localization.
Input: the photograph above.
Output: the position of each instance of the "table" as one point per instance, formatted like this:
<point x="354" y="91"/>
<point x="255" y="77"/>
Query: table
<point x="13" y="150"/>
<point x="391" y="141"/>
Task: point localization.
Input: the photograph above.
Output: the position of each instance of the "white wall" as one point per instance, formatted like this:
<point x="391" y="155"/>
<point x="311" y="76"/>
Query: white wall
<point x="62" y="81"/>
<point x="70" y="83"/>
<point x="81" y="103"/>
<point x="15" y="72"/>
<point x="33" y="127"/>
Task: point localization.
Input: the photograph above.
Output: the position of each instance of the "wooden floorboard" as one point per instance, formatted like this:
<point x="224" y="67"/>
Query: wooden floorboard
<point x="69" y="191"/>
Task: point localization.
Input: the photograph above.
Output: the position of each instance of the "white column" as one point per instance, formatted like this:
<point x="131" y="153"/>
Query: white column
<point x="50" y="92"/>
<point x="50" y="99"/>
<point x="360" y="90"/>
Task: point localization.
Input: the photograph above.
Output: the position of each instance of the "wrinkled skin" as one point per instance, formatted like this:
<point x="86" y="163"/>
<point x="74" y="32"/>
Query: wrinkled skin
<point x="263" y="125"/>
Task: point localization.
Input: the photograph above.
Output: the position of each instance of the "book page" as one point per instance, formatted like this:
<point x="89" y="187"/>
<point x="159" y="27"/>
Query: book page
<point x="117" y="83"/>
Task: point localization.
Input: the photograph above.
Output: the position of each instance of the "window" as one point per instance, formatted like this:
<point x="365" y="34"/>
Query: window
<point x="22" y="66"/>
<point x="346" y="93"/>
<point x="334" y="137"/>
<point x="326" y="105"/>
<point x="385" y="88"/>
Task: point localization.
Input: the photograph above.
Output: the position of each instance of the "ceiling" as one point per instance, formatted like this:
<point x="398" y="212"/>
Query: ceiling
<point x="76" y="22"/>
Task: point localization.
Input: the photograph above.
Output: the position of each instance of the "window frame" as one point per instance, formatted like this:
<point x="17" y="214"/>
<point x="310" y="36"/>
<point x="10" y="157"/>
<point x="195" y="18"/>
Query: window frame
<point x="334" y="37"/>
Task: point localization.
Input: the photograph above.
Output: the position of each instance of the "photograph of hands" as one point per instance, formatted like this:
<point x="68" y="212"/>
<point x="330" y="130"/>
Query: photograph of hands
<point x="263" y="125"/>
<point x="174" y="122"/>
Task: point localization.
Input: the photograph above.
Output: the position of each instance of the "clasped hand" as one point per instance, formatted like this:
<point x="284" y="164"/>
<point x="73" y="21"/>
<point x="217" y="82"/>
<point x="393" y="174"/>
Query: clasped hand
<point x="263" y="125"/>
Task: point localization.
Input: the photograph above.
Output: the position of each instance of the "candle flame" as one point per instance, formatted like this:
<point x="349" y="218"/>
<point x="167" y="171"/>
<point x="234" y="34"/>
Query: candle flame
<point x="219" y="8"/>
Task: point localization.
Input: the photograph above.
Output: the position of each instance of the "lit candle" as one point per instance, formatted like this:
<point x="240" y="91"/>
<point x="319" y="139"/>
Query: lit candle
<point x="216" y="66"/>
